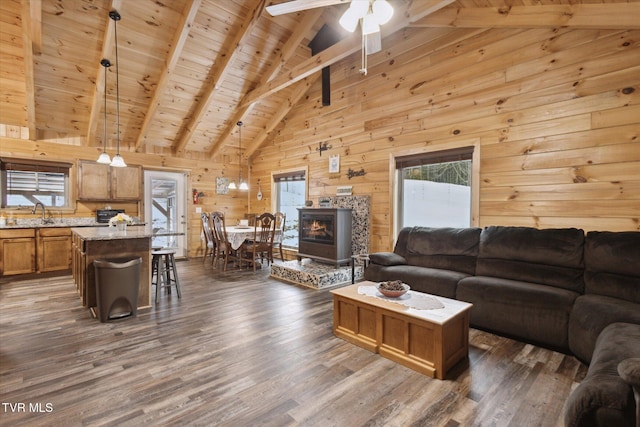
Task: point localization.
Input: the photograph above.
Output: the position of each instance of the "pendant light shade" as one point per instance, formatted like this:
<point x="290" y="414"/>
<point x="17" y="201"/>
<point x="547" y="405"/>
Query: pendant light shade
<point x="104" y="157"/>
<point x="118" y="161"/>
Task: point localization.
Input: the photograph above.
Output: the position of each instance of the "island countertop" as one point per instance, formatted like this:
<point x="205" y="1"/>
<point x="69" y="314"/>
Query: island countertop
<point x="110" y="233"/>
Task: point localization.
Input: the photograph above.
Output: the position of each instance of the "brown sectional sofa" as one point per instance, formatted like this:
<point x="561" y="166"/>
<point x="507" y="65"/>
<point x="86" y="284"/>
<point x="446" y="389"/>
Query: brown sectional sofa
<point x="556" y="287"/>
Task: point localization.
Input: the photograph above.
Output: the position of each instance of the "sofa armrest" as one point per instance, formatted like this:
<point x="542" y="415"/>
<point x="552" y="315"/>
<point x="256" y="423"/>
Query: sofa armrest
<point x="629" y="370"/>
<point x="387" y="258"/>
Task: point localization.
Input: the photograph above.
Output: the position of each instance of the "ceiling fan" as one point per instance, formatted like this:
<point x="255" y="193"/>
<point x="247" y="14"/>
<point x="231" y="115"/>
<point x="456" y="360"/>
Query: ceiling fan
<point x="369" y="13"/>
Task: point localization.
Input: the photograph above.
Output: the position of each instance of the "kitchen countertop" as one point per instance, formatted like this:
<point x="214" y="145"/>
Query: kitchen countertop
<point x="110" y="233"/>
<point x="56" y="223"/>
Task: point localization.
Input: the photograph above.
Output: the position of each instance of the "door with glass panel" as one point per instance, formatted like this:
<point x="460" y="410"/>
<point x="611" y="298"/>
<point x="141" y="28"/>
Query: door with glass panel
<point x="165" y="207"/>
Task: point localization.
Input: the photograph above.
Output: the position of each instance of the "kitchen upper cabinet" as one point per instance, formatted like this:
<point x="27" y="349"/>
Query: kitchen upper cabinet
<point x="126" y="183"/>
<point x="17" y="251"/>
<point x="98" y="181"/>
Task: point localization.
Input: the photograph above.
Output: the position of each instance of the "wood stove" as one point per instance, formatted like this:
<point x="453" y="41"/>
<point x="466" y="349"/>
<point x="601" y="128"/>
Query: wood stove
<point x="324" y="234"/>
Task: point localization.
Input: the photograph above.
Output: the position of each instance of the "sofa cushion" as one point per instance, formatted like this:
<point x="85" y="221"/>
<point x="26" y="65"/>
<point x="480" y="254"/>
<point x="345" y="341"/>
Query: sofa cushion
<point x="612" y="264"/>
<point x="401" y="241"/>
<point x="551" y="257"/>
<point x="533" y="312"/>
<point x="590" y="315"/>
<point x="422" y="279"/>
<point x="387" y="258"/>
<point x="604" y="398"/>
<point x="443" y="248"/>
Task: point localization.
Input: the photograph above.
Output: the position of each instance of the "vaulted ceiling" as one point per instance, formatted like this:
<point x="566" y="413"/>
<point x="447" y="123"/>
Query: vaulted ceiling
<point x="189" y="70"/>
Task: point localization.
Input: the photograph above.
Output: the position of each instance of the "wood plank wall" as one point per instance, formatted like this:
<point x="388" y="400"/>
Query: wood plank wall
<point x="556" y="113"/>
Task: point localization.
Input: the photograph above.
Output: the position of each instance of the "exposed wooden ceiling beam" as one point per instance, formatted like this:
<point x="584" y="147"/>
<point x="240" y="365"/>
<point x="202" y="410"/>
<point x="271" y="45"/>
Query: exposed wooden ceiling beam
<point x="299" y="5"/>
<point x="188" y="16"/>
<point x="98" y="94"/>
<point x="593" y="16"/>
<point x="221" y="70"/>
<point x="278" y="116"/>
<point x="35" y="25"/>
<point x="27" y="43"/>
<point x="288" y="50"/>
<point x="340" y="50"/>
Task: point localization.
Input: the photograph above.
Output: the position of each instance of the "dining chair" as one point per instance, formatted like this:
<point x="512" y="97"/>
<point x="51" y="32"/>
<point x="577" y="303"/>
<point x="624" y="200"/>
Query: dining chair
<point x="224" y="246"/>
<point x="209" y="240"/>
<point x="251" y="218"/>
<point x="262" y="242"/>
<point x="281" y="219"/>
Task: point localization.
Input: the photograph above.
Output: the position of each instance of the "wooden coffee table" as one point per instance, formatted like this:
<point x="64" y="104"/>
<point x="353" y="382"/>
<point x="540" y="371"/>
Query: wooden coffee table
<point x="428" y="341"/>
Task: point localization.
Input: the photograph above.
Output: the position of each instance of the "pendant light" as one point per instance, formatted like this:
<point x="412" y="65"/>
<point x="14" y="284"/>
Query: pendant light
<point x="233" y="186"/>
<point x="242" y="185"/>
<point x="104" y="157"/>
<point x="118" y="161"/>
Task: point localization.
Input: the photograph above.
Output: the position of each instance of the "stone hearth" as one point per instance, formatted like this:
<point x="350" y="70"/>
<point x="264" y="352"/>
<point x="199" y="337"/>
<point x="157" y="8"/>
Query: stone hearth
<point x="313" y="274"/>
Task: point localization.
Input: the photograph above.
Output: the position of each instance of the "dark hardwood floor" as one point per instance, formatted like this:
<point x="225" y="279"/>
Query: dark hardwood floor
<point x="241" y="349"/>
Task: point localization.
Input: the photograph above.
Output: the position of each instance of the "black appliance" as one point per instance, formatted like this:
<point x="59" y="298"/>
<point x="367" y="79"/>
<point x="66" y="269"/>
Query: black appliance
<point x="104" y="215"/>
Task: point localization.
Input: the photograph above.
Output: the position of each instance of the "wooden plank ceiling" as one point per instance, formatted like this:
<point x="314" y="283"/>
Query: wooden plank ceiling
<point x="190" y="69"/>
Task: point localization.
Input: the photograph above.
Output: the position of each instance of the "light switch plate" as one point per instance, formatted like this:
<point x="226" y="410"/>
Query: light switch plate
<point x="198" y="209"/>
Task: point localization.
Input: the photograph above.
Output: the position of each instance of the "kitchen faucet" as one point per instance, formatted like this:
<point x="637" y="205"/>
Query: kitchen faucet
<point x="44" y="221"/>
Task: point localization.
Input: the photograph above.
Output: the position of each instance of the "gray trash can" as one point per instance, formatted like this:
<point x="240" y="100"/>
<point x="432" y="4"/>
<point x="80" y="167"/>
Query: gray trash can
<point x="117" y="287"/>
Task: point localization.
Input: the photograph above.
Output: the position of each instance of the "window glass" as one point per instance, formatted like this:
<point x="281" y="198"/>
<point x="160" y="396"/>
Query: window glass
<point x="290" y="192"/>
<point x="435" y="189"/>
<point x="25" y="183"/>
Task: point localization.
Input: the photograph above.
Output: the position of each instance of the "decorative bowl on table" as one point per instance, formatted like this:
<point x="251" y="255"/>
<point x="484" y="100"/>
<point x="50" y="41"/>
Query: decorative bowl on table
<point x="392" y="288"/>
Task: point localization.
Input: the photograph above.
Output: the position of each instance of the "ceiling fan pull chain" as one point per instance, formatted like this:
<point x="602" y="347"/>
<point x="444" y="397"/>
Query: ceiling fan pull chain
<point x="363" y="51"/>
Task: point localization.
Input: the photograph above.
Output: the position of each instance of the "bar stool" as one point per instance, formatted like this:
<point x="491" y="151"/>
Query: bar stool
<point x="163" y="266"/>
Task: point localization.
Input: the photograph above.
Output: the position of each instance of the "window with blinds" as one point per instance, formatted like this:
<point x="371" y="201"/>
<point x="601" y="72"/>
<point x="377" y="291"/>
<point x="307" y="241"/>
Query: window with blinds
<point x="434" y="189"/>
<point x="290" y="193"/>
<point x="27" y="182"/>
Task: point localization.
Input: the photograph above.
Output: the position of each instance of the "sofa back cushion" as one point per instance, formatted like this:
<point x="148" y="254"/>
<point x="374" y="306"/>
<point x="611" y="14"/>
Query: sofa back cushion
<point x="551" y="257"/>
<point x="444" y="248"/>
<point x="401" y="243"/>
<point x="612" y="264"/>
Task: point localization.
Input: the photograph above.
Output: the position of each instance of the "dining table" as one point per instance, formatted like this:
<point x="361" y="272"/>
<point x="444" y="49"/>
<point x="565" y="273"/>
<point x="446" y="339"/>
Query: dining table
<point x="237" y="234"/>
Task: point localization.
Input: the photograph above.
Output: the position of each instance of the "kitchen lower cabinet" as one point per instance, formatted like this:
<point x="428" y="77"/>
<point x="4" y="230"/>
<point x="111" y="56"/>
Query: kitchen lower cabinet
<point x="54" y="249"/>
<point x="17" y="251"/>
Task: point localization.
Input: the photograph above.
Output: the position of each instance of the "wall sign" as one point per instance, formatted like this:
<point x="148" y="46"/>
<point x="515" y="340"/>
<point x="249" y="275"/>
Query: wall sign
<point x="334" y="164"/>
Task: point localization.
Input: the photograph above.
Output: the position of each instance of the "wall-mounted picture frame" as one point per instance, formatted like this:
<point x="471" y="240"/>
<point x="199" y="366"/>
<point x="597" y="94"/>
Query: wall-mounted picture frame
<point x="222" y="185"/>
<point x="334" y="164"/>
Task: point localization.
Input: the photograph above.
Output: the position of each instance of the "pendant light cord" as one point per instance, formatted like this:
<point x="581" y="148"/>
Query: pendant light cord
<point x="240" y="151"/>
<point x="115" y="31"/>
<point x="104" y="139"/>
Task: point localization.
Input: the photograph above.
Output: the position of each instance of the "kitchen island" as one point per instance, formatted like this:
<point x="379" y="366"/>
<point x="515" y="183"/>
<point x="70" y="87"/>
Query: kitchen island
<point x="105" y="243"/>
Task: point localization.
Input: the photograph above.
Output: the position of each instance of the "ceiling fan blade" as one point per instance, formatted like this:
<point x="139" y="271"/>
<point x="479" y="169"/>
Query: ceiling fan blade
<point x="373" y="42"/>
<point x="298" y="5"/>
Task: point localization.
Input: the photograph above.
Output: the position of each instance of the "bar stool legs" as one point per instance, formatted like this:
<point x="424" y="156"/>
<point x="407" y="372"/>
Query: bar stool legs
<point x="163" y="268"/>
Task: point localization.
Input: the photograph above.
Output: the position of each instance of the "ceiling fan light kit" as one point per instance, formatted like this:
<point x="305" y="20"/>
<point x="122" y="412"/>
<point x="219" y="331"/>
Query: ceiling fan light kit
<point x="372" y="12"/>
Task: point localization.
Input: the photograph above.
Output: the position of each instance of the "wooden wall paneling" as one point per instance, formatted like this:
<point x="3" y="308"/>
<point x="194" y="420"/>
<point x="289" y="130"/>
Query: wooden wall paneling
<point x="544" y="135"/>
